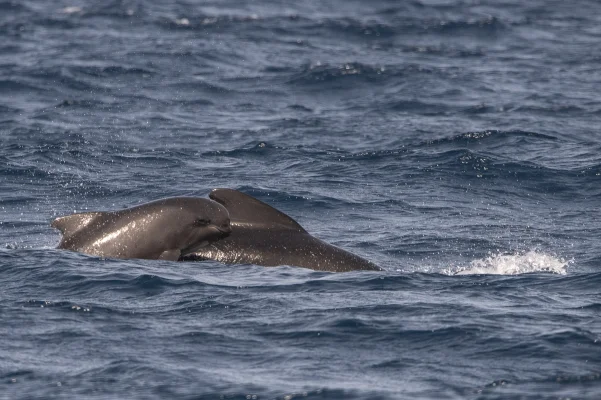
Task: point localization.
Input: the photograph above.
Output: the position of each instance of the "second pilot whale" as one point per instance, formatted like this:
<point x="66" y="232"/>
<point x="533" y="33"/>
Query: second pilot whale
<point x="262" y="235"/>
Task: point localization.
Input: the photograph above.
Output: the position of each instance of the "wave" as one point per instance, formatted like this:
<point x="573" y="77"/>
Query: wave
<point x="377" y="29"/>
<point x="110" y="71"/>
<point x="552" y="110"/>
<point x="322" y="73"/>
<point x="212" y="21"/>
<point x="13" y="6"/>
<point x="12" y="85"/>
<point x="532" y="158"/>
<point x="484" y="27"/>
<point x="353" y="27"/>
<point x="488" y="135"/>
<point x="513" y="264"/>
<point x="117" y="9"/>
<point x="573" y="383"/>
<point x="454" y="51"/>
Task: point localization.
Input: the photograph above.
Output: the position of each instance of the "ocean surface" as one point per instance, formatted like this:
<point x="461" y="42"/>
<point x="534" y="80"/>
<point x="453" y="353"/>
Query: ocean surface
<point x="454" y="143"/>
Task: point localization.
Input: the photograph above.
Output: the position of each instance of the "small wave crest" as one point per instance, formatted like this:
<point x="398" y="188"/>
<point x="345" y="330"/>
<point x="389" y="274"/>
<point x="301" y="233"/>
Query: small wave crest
<point x="513" y="264"/>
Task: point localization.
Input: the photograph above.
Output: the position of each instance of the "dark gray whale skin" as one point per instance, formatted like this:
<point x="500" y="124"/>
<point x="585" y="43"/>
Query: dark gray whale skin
<point x="164" y="229"/>
<point x="262" y="235"/>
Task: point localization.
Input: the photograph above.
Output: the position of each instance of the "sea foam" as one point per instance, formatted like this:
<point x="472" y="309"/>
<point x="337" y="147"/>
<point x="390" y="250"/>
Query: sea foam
<point x="513" y="264"/>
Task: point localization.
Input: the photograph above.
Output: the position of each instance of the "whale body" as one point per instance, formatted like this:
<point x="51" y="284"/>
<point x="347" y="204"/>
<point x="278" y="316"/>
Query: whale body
<point x="262" y="235"/>
<point x="164" y="229"/>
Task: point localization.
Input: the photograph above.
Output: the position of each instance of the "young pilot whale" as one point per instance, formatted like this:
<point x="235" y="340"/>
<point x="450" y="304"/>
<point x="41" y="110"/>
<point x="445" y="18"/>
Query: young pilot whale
<point x="163" y="229"/>
<point x="264" y="236"/>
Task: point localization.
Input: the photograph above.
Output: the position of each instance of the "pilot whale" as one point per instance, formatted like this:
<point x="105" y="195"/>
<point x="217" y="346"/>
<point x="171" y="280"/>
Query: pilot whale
<point x="164" y="229"/>
<point x="262" y="235"/>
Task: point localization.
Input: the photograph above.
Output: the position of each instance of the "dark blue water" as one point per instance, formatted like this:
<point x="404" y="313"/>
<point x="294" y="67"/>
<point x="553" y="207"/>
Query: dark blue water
<point x="454" y="143"/>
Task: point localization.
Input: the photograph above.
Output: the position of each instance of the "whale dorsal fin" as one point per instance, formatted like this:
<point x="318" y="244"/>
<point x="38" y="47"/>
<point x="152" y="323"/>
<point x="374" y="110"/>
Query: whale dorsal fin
<point x="246" y="209"/>
<point x="70" y="224"/>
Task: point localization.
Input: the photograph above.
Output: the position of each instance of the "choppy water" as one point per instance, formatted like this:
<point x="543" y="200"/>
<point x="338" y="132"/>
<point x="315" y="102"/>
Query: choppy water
<point x="454" y="143"/>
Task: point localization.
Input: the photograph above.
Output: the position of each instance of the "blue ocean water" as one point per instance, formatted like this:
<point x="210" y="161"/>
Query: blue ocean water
<point x="454" y="143"/>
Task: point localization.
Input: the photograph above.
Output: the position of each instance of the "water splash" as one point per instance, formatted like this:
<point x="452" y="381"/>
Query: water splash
<point x="513" y="264"/>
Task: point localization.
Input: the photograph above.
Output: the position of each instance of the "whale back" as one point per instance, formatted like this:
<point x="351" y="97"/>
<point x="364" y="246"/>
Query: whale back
<point x="262" y="235"/>
<point x="245" y="210"/>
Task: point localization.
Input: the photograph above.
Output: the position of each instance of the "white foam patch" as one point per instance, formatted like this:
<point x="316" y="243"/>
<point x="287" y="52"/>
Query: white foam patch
<point x="513" y="264"/>
<point x="71" y="10"/>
